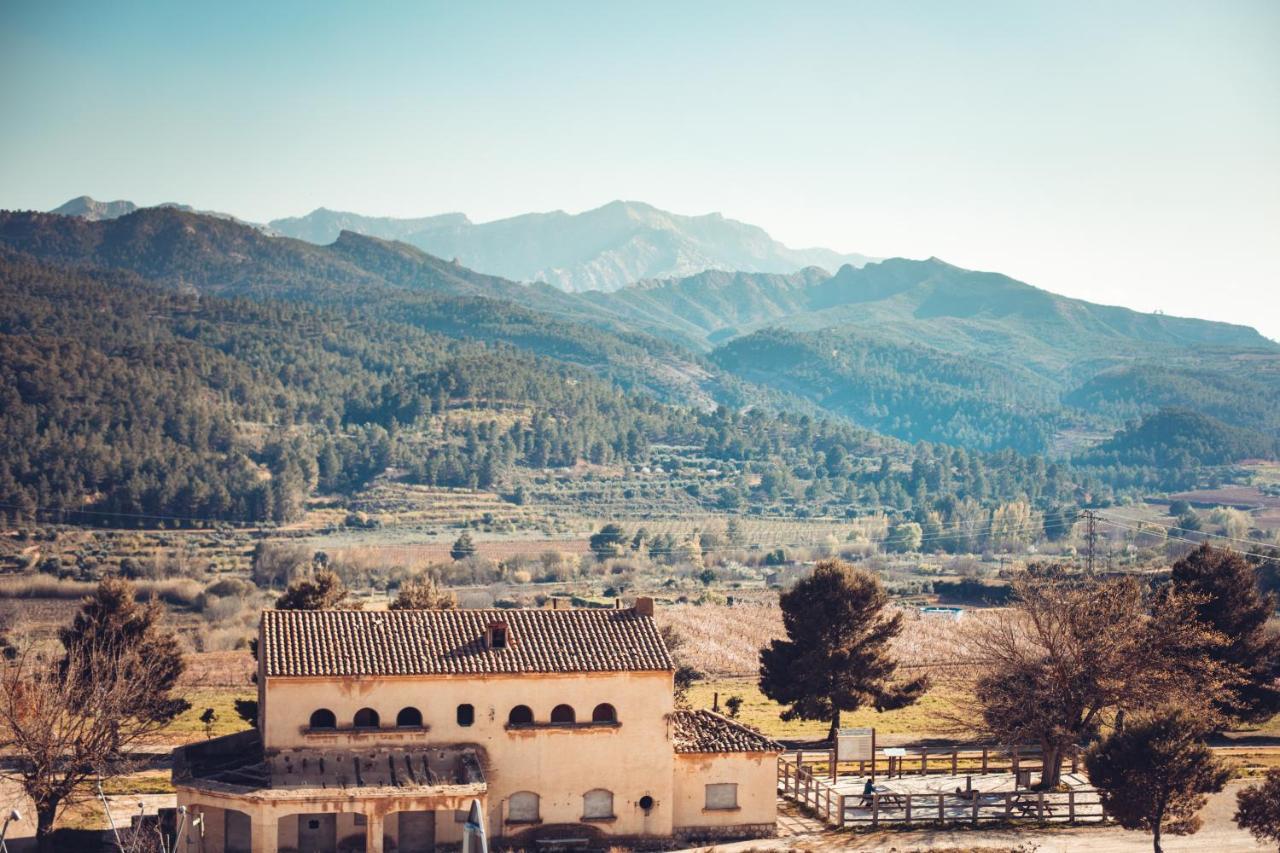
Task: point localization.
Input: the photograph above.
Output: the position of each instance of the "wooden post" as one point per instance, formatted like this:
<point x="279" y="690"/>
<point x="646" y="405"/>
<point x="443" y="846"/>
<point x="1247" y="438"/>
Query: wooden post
<point x="873" y="754"/>
<point x="1040" y="805"/>
<point x="833" y="759"/>
<point x="984" y="761"/>
<point x="924" y="761"/>
<point x="942" y="812"/>
<point x="955" y="761"/>
<point x="840" y="823"/>
<point x="862" y="767"/>
<point x="1075" y="761"/>
<point x="875" y="810"/>
<point x="908" y="810"/>
<point x="975" y="810"/>
<point x="1071" y="805"/>
<point x="1008" y="805"/>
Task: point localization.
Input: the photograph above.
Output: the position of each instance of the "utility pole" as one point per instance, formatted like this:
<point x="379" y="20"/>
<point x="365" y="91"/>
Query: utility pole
<point x="1091" y="538"/>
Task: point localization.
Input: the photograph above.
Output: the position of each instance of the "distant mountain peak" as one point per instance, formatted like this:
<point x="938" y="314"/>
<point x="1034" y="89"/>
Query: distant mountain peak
<point x="87" y="207"/>
<point x="604" y="248"/>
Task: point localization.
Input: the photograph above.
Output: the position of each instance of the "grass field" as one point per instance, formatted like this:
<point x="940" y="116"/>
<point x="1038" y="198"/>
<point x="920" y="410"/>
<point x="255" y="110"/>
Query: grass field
<point x="923" y="720"/>
<point x="187" y="727"/>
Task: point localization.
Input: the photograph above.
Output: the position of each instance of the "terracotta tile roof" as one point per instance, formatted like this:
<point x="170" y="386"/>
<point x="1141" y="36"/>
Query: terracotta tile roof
<point x="448" y="642"/>
<point x="707" y="731"/>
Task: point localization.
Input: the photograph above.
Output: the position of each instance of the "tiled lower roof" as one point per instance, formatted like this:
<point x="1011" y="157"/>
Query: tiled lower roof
<point x="453" y="642"/>
<point x="707" y="731"/>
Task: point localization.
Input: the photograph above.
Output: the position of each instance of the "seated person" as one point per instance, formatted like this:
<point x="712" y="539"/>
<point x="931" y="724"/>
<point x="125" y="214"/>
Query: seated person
<point x="868" y="793"/>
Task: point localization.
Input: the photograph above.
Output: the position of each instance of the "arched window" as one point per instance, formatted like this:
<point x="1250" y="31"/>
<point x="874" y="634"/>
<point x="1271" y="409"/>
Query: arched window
<point x="597" y="804"/>
<point x="366" y="718"/>
<point x="563" y="714"/>
<point x="409" y="718"/>
<point x="522" y="807"/>
<point x="604" y="713"/>
<point x="521" y="715"/>
<point x="323" y="719"/>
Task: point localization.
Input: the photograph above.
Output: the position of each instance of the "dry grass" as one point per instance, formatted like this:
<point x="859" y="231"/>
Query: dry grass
<point x="187" y="727"/>
<point x="924" y="719"/>
<point x="726" y="641"/>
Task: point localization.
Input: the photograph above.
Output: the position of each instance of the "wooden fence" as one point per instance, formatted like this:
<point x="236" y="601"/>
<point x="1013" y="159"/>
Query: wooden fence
<point x="950" y="761"/>
<point x="814" y="791"/>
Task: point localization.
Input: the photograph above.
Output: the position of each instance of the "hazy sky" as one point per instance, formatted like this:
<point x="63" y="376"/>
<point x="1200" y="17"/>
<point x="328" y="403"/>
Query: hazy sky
<point x="1124" y="152"/>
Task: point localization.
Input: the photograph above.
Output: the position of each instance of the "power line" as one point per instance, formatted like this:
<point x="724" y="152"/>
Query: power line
<point x="1168" y="535"/>
<point x="1188" y="530"/>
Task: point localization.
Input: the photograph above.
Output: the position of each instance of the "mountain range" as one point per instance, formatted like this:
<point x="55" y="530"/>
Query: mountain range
<point x="602" y="249"/>
<point x="918" y="350"/>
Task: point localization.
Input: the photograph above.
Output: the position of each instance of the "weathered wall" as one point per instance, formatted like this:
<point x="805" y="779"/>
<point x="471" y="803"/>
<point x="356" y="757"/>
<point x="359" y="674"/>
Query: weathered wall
<point x="632" y="759"/>
<point x="756" y="775"/>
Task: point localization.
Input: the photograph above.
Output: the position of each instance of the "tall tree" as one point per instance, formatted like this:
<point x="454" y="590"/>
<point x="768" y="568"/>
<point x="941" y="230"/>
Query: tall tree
<point x="836" y="656"/>
<point x="68" y="718"/>
<point x="1155" y="773"/>
<point x="1228" y="599"/>
<point x="1073" y="649"/>
<point x="112" y="624"/>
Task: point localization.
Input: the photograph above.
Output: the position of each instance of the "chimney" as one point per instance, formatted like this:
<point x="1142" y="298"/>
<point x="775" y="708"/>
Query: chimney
<point x="644" y="605"/>
<point x="496" y="636"/>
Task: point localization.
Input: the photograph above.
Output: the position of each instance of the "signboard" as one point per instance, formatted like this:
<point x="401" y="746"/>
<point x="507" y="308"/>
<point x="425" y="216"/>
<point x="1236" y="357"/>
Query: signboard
<point x="855" y="744"/>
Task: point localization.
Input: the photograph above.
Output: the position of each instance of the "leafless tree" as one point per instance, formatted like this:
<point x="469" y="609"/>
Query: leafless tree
<point x="67" y="718"/>
<point x="1074" y="653"/>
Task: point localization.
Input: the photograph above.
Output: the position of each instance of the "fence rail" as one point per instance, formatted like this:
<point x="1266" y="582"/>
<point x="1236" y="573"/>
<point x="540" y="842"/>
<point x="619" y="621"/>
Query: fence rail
<point x="811" y="789"/>
<point x="949" y="761"/>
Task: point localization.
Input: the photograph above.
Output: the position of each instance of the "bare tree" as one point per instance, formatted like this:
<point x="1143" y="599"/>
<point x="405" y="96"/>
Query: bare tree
<point x="65" y="731"/>
<point x="1075" y="651"/>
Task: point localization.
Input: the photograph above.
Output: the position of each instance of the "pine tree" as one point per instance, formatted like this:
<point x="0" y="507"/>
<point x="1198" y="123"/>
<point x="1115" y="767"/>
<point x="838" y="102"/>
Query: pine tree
<point x="1155" y="773"/>
<point x="463" y="547"/>
<point x="1229" y="600"/>
<point x="836" y="656"/>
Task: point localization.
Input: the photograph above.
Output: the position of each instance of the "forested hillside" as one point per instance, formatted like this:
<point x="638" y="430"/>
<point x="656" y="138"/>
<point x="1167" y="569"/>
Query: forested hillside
<point x="165" y="363"/>
<point x="128" y="402"/>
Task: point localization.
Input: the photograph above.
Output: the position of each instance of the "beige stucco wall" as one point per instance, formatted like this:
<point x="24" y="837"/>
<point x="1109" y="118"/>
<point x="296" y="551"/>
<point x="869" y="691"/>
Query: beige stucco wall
<point x="274" y="817"/>
<point x="632" y="760"/>
<point x="755" y="773"/>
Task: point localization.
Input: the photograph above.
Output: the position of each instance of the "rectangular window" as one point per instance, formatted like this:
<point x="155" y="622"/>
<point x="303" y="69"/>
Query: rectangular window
<point x="722" y="795"/>
<point x="466" y="715"/>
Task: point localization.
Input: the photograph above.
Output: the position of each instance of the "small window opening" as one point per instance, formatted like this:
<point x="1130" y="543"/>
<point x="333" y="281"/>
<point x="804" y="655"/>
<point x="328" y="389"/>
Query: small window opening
<point x="723" y="795"/>
<point x="409" y="718"/>
<point x="366" y="718"/>
<point x="521" y="715"/>
<point x="563" y="714"/>
<point x="604" y="713"/>
<point x="466" y="715"/>
<point x="498" y="635"/>
<point x="323" y="719"/>
<point x="597" y="804"/>
<point x="646" y="803"/>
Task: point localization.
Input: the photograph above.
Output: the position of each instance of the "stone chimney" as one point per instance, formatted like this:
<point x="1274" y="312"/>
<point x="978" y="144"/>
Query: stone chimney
<point x="644" y="605"/>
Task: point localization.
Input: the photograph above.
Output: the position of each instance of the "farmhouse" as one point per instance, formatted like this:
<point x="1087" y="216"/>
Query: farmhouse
<point x="377" y="730"/>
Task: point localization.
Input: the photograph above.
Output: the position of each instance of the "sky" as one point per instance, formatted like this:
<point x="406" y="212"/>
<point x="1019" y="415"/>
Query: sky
<point x="1122" y="152"/>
